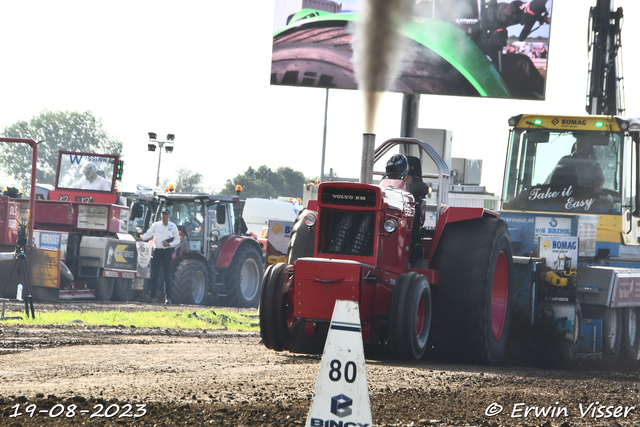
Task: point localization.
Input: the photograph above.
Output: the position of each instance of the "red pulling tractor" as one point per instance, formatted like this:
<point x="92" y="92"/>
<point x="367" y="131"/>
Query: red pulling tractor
<point x="454" y="298"/>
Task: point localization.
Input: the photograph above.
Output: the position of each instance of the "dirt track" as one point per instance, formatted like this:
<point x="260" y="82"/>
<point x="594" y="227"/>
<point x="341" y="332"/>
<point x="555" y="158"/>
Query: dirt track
<point x="226" y="378"/>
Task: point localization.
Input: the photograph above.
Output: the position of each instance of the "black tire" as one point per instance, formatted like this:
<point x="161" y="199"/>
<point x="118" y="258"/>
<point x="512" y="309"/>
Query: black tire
<point x="631" y="333"/>
<point x="266" y="332"/>
<point x="244" y="277"/>
<point x="322" y="57"/>
<point x="122" y="290"/>
<point x="190" y="283"/>
<point x="577" y="329"/>
<point x="410" y="316"/>
<point x="302" y="241"/>
<point x="275" y="313"/>
<point x="472" y="303"/>
<point x="611" y="332"/>
<point x="104" y="288"/>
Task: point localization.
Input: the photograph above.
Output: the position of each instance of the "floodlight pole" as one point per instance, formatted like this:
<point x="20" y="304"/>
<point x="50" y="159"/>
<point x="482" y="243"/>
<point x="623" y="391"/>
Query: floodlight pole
<point x="160" y="144"/>
<point x="153" y="142"/>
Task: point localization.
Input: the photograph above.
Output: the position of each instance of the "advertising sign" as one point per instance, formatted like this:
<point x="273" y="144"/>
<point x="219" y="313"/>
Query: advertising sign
<point x="144" y="259"/>
<point x="45" y="268"/>
<point x="557" y="249"/>
<point x="550" y="226"/>
<point x="121" y="255"/>
<point x="91" y="217"/>
<point x="52" y="241"/>
<point x="626" y="291"/>
<point x="278" y="241"/>
<point x="484" y="48"/>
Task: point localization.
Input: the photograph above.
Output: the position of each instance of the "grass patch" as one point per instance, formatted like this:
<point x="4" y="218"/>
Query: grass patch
<point x="203" y="319"/>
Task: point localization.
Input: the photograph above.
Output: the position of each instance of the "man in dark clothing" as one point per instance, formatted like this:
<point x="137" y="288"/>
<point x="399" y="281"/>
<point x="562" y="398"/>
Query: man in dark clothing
<point x="419" y="190"/>
<point x="518" y="71"/>
<point x="584" y="162"/>
<point x="413" y="180"/>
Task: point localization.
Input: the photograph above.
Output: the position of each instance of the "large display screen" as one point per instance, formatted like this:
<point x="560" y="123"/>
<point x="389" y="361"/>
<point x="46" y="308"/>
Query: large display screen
<point x="482" y="48"/>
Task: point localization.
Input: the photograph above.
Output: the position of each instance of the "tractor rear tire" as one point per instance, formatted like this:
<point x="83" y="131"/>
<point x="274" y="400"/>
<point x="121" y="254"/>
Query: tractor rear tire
<point x="631" y="333"/>
<point x="104" y="288"/>
<point x="472" y="303"/>
<point x="122" y="290"/>
<point x="611" y="333"/>
<point x="244" y="277"/>
<point x="302" y="241"/>
<point x="577" y="330"/>
<point x="190" y="283"/>
<point x="410" y="316"/>
<point x="276" y="313"/>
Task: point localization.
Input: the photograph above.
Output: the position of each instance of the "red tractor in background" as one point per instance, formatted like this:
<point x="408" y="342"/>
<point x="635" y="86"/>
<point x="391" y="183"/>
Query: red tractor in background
<point x="215" y="261"/>
<point x="354" y="243"/>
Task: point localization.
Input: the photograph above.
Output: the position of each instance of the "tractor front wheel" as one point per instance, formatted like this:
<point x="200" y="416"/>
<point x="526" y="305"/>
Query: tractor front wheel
<point x="104" y="288"/>
<point x="243" y="278"/>
<point x="276" y="310"/>
<point x="472" y="303"/>
<point x="122" y="290"/>
<point x="190" y="282"/>
<point x="410" y="316"/>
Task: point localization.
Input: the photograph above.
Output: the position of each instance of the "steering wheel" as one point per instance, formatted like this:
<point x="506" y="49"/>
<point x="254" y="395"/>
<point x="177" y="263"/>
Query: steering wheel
<point x="191" y="221"/>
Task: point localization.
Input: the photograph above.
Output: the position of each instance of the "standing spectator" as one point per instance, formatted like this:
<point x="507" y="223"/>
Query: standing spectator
<point x="165" y="237"/>
<point x="543" y="52"/>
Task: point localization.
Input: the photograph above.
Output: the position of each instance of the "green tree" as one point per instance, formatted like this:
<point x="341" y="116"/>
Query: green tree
<point x="58" y="130"/>
<point x="188" y="181"/>
<point x="265" y="183"/>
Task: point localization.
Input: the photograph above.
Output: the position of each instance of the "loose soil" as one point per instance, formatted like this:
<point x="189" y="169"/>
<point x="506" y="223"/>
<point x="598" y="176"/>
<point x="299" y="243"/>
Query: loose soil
<point x="151" y="376"/>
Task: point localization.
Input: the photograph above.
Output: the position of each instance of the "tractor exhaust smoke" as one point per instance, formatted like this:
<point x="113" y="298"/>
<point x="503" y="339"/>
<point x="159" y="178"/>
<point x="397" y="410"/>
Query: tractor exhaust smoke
<point x="378" y="50"/>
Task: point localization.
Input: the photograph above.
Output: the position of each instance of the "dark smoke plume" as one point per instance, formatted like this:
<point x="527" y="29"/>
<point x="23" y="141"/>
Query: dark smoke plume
<point x="378" y="50"/>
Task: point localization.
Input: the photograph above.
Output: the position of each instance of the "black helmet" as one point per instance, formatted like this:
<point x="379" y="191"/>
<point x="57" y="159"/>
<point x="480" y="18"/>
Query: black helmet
<point x="397" y="167"/>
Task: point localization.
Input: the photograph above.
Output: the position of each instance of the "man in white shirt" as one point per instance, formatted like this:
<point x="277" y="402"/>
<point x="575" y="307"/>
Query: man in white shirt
<point x="165" y="237"/>
<point x="91" y="180"/>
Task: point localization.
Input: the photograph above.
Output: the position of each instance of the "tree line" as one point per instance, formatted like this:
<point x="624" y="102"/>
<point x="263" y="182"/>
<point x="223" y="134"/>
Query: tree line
<point x="74" y="131"/>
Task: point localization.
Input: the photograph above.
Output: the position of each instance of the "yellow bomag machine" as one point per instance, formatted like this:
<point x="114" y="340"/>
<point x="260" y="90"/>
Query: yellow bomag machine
<point x="571" y="200"/>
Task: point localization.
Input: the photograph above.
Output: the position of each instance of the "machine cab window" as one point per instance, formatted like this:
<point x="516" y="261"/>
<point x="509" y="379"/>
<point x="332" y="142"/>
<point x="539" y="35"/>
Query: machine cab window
<point x="221" y="218"/>
<point x="82" y="171"/>
<point x="575" y="171"/>
<point x="187" y="216"/>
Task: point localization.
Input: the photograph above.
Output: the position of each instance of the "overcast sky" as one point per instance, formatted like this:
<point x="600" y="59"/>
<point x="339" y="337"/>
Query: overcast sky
<point x="201" y="69"/>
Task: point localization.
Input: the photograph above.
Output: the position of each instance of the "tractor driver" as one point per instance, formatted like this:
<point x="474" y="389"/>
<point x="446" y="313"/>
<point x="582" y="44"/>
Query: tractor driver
<point x="583" y="159"/>
<point x="91" y="180"/>
<point x="409" y="169"/>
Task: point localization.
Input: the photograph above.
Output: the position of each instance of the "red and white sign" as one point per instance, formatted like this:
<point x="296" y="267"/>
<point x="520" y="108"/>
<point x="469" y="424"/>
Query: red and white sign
<point x="626" y="292"/>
